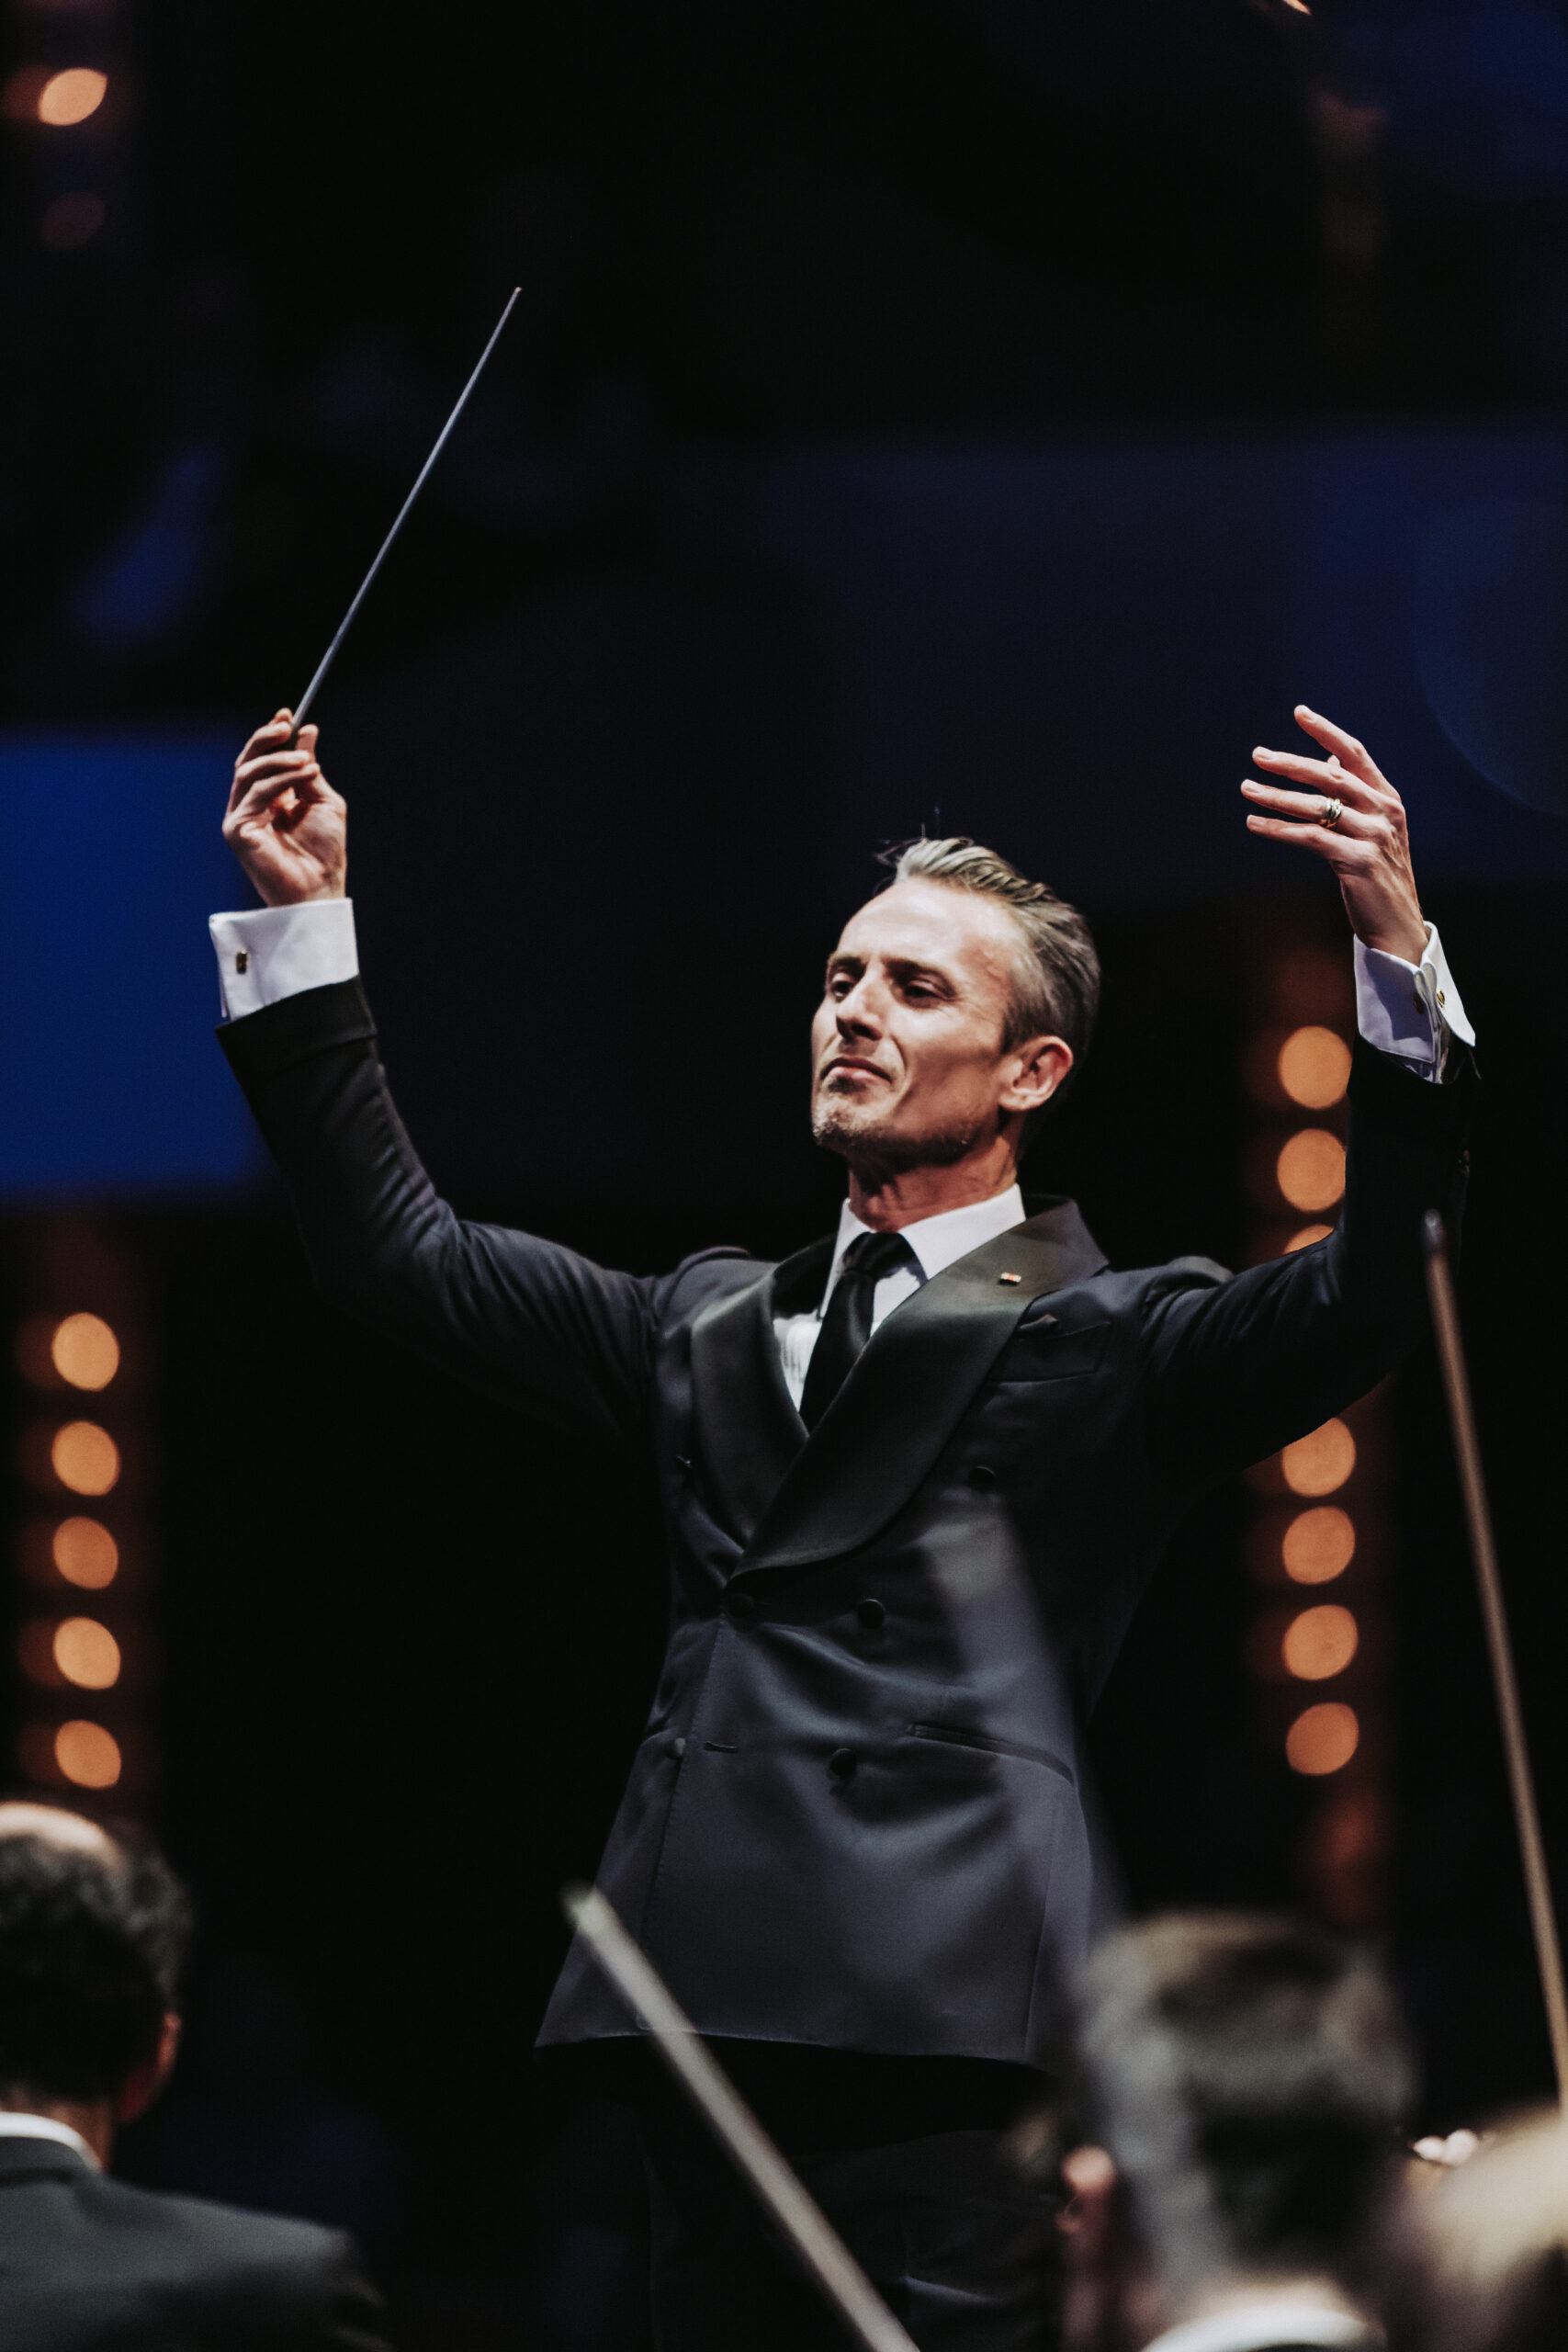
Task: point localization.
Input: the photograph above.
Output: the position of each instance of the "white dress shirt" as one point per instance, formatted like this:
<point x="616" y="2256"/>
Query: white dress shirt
<point x="273" y="952"/>
<point x="44" y="2127"/>
<point x="1409" y="1010"/>
<point x="937" y="1241"/>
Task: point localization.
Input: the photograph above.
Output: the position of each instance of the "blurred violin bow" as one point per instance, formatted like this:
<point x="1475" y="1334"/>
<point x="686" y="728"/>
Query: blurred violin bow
<point x="1484" y="1551"/>
<point x="818" y="2246"/>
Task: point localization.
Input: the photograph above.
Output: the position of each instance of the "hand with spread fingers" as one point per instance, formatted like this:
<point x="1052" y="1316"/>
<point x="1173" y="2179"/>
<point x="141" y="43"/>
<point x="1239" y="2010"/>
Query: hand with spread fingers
<point x="286" y="825"/>
<point x="1344" y="810"/>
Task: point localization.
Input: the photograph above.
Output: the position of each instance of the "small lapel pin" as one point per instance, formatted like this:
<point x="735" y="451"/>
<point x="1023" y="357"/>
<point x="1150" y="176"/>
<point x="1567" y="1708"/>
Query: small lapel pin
<point x="1009" y="1278"/>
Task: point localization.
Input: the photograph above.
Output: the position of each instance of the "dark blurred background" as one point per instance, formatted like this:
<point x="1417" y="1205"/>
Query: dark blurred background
<point x="986" y="417"/>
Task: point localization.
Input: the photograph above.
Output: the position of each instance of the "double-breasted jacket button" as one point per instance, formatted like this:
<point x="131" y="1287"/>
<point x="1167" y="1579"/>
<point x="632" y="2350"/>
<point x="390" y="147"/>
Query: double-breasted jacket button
<point x="842" y="1762"/>
<point x="871" y="1614"/>
<point x="677" y="1749"/>
<point x="742" y="1603"/>
<point x="981" y="1474"/>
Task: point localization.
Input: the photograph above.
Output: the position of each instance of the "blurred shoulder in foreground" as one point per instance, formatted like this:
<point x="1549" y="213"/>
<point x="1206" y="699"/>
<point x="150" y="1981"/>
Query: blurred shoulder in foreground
<point x="1480" y="2264"/>
<point x="93" y="1929"/>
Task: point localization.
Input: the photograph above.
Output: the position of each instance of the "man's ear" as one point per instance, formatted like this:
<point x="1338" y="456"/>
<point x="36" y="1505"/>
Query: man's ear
<point x="142" y="2085"/>
<point x="1090" y="2221"/>
<point x="1088" y="2216"/>
<point x="1039" y="1067"/>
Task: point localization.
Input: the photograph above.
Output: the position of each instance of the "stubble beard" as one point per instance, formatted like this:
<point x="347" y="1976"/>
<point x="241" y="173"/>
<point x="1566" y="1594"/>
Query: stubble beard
<point x="876" y="1150"/>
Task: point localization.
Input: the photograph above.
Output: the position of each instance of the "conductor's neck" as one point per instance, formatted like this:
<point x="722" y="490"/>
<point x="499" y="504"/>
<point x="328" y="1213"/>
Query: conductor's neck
<point x="889" y="1199"/>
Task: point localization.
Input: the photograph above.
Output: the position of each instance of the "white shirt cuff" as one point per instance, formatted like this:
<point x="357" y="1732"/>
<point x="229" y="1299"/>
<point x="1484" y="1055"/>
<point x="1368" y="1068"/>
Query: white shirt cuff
<point x="1410" y="1010"/>
<point x="273" y="952"/>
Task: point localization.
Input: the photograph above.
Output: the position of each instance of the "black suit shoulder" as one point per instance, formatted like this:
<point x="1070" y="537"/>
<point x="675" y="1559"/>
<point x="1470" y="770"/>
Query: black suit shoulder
<point x="1134" y="1290"/>
<point x="93" y="2265"/>
<point x="706" y="1274"/>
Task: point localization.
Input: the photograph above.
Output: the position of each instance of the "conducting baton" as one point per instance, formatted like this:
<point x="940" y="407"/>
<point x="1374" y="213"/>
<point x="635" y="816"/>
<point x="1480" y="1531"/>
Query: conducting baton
<point x="330" y="656"/>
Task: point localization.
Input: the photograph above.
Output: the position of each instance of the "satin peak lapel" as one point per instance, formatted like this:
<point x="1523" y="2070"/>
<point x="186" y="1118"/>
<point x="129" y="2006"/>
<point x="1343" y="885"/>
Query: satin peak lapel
<point x="747" y="1427"/>
<point x="913" y="1385"/>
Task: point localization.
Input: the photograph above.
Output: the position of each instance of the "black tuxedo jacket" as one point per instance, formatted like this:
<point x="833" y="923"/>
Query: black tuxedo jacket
<point x="89" y="2265"/>
<point x="855" y="1817"/>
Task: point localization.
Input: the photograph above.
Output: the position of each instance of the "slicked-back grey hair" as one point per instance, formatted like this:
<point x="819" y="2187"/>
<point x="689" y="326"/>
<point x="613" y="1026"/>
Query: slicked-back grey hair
<point x="1056" y="994"/>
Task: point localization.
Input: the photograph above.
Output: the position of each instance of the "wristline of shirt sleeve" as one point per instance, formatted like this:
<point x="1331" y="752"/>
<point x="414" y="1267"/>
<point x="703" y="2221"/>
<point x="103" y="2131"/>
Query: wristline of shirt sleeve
<point x="271" y="953"/>
<point x="316" y="1021"/>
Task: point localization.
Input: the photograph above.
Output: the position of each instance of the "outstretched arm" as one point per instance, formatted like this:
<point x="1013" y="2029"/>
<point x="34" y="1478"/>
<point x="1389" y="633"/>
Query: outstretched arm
<point x="519" y="1317"/>
<point x="1240" y="1367"/>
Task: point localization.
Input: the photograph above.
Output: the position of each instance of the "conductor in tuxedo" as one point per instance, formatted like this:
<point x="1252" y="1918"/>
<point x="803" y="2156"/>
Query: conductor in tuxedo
<point x="91" y="1938"/>
<point x="853" y="1838"/>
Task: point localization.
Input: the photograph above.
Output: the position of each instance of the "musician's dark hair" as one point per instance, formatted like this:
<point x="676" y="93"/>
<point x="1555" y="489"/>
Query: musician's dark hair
<point x="92" y="1941"/>
<point x="1249" y="2076"/>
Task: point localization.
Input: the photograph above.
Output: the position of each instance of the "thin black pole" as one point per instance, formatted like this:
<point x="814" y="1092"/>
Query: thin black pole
<point x="330" y="656"/>
<point x="1495" y="1615"/>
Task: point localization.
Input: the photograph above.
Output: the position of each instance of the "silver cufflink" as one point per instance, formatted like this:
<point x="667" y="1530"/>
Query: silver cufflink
<point x="1009" y="1278"/>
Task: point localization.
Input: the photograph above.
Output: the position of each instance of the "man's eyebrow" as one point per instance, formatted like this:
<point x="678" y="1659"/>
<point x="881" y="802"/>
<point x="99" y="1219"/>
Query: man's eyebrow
<point x="841" y="961"/>
<point x="909" y="967"/>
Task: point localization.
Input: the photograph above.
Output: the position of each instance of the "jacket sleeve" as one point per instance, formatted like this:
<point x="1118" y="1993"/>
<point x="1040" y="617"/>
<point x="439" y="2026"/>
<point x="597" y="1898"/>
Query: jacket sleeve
<point x="528" y="1322"/>
<point x="1239" y="1366"/>
<point x="347" y="2313"/>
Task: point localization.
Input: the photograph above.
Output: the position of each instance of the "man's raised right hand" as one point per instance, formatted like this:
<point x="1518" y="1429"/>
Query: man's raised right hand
<point x="286" y="825"/>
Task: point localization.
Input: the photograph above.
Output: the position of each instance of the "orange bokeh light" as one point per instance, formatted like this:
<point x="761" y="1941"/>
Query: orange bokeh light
<point x="87" y="1755"/>
<point x="1305" y="1238"/>
<point x="1314" y="1067"/>
<point x="1319" y="1463"/>
<point x="1309" y="1171"/>
<point x="85" y="1458"/>
<point x="85" y="1352"/>
<point x="1318" y="1544"/>
<point x="1323" y="1738"/>
<point x="1320" y="1641"/>
<point x="87" y="1653"/>
<point x="86" y="1553"/>
<point x="68" y="98"/>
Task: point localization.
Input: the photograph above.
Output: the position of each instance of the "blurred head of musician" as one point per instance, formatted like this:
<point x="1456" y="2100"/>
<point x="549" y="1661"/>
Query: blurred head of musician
<point x="92" y="1938"/>
<point x="1244" y="2078"/>
<point x="93" y="1931"/>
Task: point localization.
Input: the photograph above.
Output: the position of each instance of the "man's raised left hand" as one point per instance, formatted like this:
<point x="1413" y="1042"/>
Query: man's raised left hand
<point x="1368" y="845"/>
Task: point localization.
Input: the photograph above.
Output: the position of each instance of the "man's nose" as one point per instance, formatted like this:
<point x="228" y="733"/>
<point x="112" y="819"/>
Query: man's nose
<point x="858" y="1015"/>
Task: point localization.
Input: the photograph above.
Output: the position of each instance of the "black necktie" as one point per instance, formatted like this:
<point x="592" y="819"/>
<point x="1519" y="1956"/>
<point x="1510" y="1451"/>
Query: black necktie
<point x="846" y="1327"/>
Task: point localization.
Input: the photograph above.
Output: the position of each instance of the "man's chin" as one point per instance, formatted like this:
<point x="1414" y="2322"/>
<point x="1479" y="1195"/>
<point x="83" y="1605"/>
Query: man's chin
<point x="877" y="1148"/>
